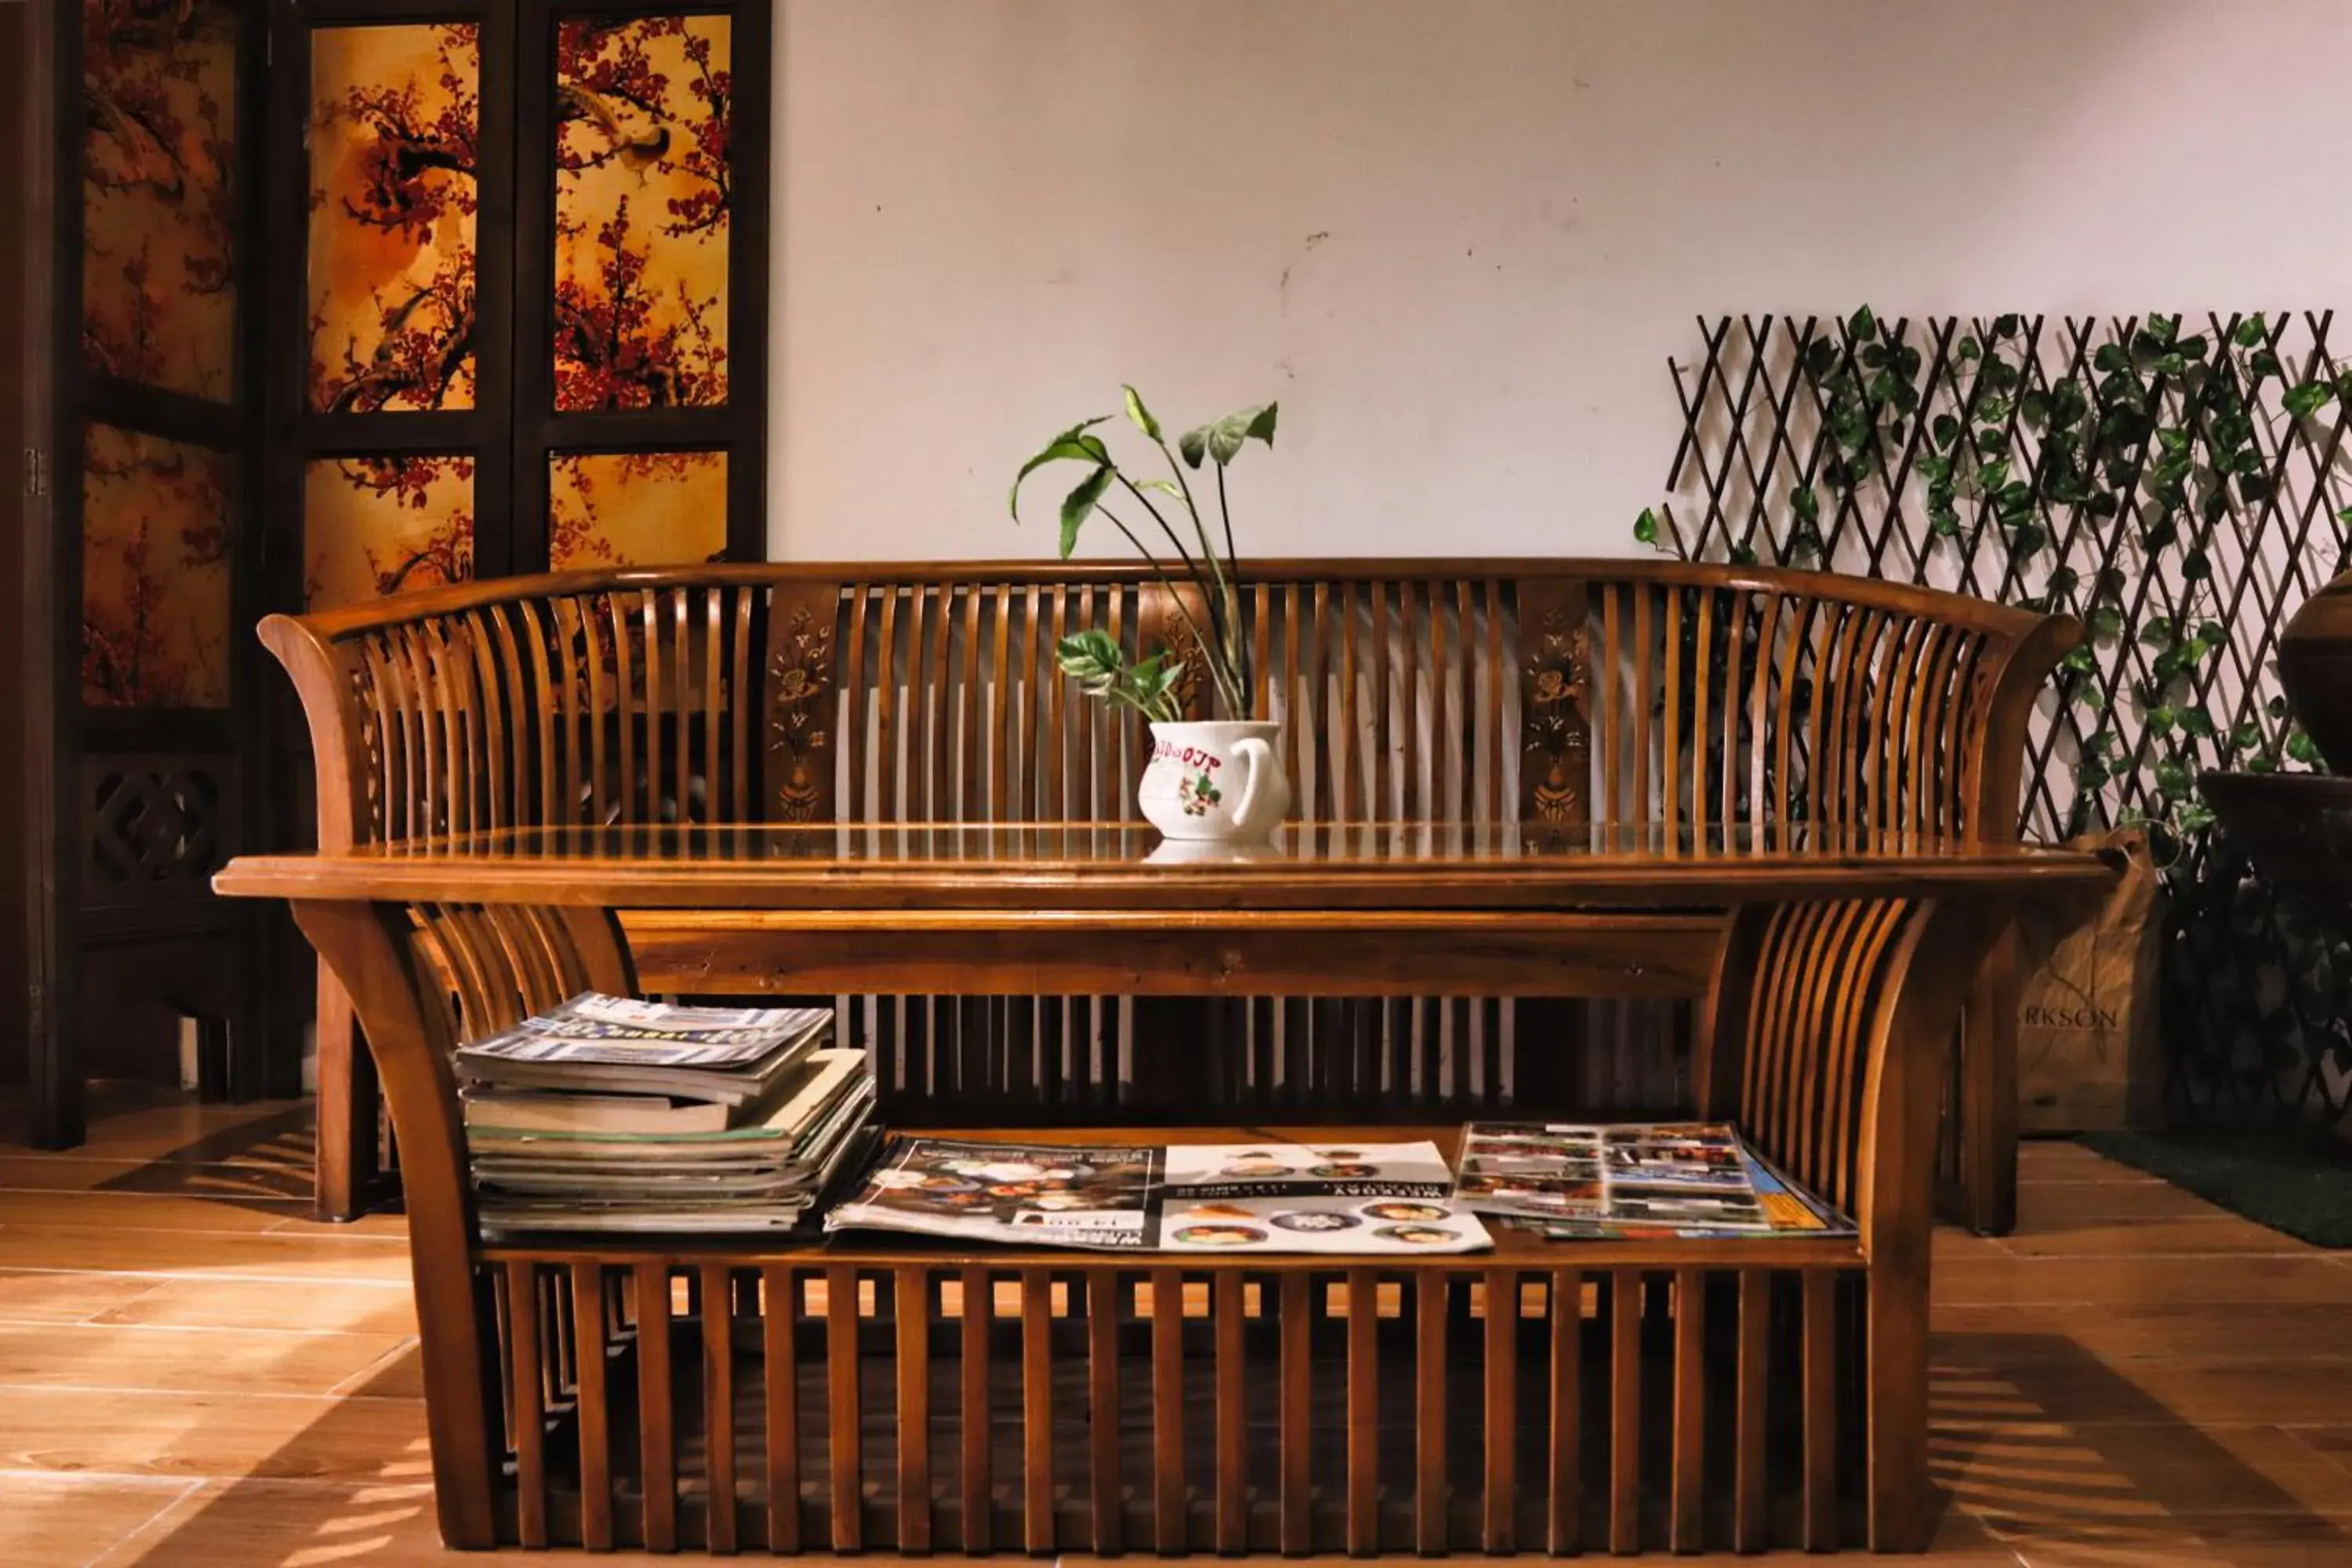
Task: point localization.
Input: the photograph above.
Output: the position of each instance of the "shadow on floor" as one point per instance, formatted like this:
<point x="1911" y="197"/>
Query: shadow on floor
<point x="2054" y="1448"/>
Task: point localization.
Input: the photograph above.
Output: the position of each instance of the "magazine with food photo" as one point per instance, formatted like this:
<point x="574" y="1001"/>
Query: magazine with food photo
<point x="1357" y="1200"/>
<point x="1308" y="1170"/>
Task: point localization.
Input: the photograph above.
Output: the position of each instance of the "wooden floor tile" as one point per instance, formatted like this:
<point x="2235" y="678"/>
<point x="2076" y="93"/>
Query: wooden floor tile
<point x="228" y="1524"/>
<point x="298" y="1259"/>
<point x="59" y="1296"/>
<point x="65" y="1521"/>
<point x="212" y="1435"/>
<point x="193" y="1361"/>
<point x="2142" y="1281"/>
<point x="387" y="1307"/>
<point x="2047" y="1205"/>
<point x="175" y="1127"/>
<point x="2154" y="1238"/>
<point x="2042" y="1160"/>
<point x="143" y="1211"/>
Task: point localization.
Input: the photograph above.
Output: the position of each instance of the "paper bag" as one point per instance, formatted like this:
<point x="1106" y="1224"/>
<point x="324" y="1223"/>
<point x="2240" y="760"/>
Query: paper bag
<point x="2087" y="1042"/>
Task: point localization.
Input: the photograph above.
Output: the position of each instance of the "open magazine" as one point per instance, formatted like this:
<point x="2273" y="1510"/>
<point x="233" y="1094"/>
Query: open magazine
<point x="1571" y="1182"/>
<point x="1353" y="1199"/>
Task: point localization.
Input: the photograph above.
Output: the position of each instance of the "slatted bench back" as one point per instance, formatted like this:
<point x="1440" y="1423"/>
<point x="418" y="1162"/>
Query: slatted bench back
<point x="1563" y="691"/>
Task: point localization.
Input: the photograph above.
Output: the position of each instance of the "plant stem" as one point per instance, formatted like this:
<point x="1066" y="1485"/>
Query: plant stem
<point x="1235" y="654"/>
<point x="1233" y="569"/>
<point x="1218" y="622"/>
<point x="1210" y="651"/>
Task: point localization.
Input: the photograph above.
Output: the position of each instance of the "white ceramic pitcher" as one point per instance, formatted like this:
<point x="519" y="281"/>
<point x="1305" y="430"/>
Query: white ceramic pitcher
<point x="1215" y="779"/>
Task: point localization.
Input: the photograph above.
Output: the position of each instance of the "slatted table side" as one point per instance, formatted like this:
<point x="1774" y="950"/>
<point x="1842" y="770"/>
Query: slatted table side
<point x="1454" y="1406"/>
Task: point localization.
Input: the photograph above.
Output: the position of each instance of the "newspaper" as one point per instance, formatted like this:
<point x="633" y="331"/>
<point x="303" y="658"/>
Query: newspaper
<point x="1571" y="1182"/>
<point x="1355" y="1199"/>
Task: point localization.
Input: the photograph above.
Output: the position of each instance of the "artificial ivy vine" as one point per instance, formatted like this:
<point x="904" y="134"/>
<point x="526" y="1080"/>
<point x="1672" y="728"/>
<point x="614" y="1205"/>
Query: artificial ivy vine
<point x="2141" y="450"/>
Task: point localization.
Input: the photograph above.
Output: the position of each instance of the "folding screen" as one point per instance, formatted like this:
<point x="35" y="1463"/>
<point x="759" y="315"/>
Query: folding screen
<point x="138" y="546"/>
<point x="531" y="250"/>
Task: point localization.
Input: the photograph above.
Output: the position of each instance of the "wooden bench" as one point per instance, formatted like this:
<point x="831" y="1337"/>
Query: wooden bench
<point x="1767" y="794"/>
<point x="1626" y="691"/>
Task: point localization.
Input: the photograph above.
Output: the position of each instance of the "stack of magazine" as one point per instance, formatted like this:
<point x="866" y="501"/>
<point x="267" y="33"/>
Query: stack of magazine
<point x="1356" y="1199"/>
<point x="1628" y="1180"/>
<point x="608" y="1114"/>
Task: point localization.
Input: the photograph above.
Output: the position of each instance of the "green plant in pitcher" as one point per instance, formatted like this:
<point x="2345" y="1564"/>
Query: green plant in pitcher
<point x="1094" y="658"/>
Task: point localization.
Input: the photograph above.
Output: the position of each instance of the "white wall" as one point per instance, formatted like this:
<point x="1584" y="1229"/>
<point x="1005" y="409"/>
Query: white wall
<point x="1458" y="238"/>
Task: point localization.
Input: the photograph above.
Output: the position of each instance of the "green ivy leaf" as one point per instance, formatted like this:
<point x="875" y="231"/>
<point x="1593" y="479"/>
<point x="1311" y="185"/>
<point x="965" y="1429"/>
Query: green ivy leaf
<point x="1805" y="503"/>
<point x="2157" y="633"/>
<point x="2302" y="748"/>
<point x="2197" y="723"/>
<point x="1947" y="430"/>
<point x="2264" y="364"/>
<point x="2250" y="331"/>
<point x="2171" y="780"/>
<point x="1820" y="354"/>
<point x="2111" y="357"/>
<point x="1645" y="527"/>
<point x="1968" y="349"/>
<point x="2034" y="409"/>
<point x="1862" y="324"/>
<point x="2005" y="327"/>
<point x="2302" y="402"/>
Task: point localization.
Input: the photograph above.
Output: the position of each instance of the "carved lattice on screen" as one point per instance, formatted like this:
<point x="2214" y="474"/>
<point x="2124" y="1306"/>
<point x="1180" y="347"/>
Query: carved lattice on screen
<point x="2180" y="484"/>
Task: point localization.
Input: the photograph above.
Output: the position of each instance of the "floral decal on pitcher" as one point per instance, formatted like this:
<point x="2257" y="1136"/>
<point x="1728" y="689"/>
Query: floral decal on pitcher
<point x="1197" y="794"/>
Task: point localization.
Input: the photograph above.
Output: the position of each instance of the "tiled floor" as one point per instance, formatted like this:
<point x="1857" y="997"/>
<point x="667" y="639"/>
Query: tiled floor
<point x="193" y="1374"/>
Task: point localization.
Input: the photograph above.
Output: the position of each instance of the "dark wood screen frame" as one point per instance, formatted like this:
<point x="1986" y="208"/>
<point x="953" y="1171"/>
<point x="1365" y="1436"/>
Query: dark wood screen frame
<point x="63" y="397"/>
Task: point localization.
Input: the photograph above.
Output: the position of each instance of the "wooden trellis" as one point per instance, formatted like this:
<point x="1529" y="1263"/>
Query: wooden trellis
<point x="1834" y="442"/>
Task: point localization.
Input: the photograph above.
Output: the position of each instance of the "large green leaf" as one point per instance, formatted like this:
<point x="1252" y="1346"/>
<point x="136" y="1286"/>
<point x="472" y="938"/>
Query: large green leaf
<point x="1223" y="439"/>
<point x="1080" y="504"/>
<point x="1139" y="414"/>
<point x="2303" y="401"/>
<point x="1073" y="444"/>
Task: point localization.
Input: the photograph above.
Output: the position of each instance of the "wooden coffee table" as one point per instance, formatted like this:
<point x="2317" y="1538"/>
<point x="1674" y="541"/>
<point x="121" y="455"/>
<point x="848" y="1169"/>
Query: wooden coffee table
<point x="746" y="1392"/>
